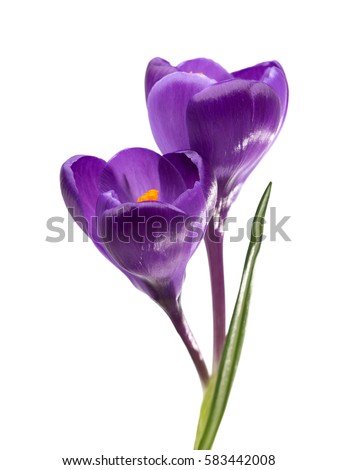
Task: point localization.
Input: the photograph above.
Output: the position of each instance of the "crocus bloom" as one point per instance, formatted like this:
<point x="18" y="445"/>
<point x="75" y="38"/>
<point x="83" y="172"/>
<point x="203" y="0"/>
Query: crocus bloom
<point x="230" y="119"/>
<point x="147" y="214"/>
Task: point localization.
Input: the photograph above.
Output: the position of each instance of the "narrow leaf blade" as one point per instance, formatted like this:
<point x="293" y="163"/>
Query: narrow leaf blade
<point x="218" y="391"/>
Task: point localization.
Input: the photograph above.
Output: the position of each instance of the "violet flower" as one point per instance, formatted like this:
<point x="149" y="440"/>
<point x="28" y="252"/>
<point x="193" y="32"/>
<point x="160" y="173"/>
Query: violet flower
<point x="146" y="214"/>
<point x="231" y="120"/>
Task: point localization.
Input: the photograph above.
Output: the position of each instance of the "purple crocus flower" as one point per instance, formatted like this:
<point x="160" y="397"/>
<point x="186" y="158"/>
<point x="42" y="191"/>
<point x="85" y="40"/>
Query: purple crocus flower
<point x="146" y="214"/>
<point x="230" y="119"/>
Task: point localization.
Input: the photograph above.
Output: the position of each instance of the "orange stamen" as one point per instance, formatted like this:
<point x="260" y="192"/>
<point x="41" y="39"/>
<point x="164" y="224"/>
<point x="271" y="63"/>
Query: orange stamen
<point x="151" y="195"/>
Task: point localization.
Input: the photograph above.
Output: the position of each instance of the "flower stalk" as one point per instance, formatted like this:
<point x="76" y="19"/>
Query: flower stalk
<point x="214" y="247"/>
<point x="176" y="315"/>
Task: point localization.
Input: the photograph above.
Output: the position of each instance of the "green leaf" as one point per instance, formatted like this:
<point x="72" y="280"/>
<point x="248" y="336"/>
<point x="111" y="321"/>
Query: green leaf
<point x="205" y="408"/>
<point x="218" y="390"/>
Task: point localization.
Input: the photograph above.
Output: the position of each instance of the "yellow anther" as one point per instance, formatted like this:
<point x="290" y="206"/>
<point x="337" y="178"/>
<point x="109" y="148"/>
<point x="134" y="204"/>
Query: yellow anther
<point x="198" y="73"/>
<point x="151" y="195"/>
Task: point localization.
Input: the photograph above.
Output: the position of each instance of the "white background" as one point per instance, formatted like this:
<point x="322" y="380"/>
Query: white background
<point x="91" y="366"/>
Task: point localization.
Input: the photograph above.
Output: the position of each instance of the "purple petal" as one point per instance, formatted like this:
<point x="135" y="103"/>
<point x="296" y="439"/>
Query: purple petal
<point x="157" y="69"/>
<point x="148" y="241"/>
<point x="193" y="169"/>
<point x="167" y="105"/>
<point x="80" y="176"/>
<point x="206" y="66"/>
<point x="273" y="75"/>
<point x="193" y="202"/>
<point x="232" y="124"/>
<point x="133" y="172"/>
<point x="172" y="184"/>
<point x="107" y="201"/>
<point x="185" y="166"/>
